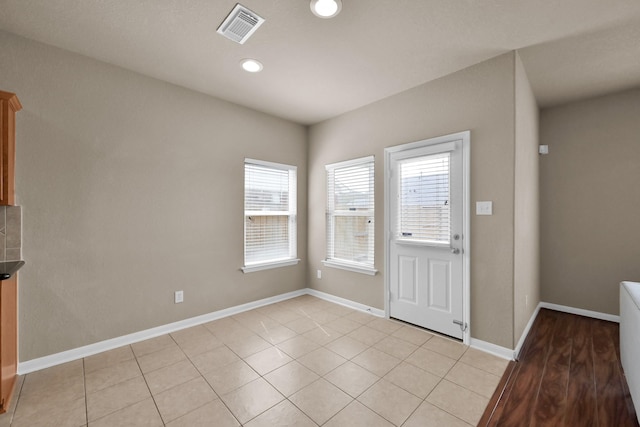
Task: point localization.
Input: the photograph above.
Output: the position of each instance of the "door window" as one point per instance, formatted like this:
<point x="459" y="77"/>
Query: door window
<point x="424" y="199"/>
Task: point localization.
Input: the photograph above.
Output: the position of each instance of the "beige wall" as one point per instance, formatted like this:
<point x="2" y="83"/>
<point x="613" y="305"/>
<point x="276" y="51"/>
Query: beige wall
<point x="132" y="188"/>
<point x="590" y="200"/>
<point x="526" y="264"/>
<point x="479" y="99"/>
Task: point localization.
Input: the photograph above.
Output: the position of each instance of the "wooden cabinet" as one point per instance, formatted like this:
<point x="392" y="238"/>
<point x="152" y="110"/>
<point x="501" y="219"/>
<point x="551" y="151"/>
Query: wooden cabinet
<point x="9" y="105"/>
<point x="8" y="339"/>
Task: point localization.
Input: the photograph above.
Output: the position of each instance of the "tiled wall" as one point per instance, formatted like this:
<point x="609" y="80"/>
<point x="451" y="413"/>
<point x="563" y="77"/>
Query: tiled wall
<point x="10" y="233"/>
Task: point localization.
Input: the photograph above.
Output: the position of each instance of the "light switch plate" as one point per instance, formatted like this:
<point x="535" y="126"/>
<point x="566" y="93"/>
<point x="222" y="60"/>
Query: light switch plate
<point x="484" y="208"/>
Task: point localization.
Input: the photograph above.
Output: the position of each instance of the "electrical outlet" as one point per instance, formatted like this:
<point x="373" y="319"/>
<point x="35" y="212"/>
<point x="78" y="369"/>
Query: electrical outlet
<point x="178" y="297"/>
<point x="319" y="274"/>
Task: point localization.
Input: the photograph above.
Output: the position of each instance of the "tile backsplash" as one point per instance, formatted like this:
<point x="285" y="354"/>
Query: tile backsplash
<point x="10" y="233"/>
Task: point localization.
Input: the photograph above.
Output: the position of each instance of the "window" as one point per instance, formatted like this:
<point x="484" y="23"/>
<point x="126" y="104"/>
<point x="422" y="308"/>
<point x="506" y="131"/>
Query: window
<point x="269" y="215"/>
<point x="350" y="215"/>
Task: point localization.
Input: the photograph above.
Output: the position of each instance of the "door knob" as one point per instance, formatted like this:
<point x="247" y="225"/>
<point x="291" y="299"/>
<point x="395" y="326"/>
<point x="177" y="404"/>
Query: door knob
<point x="455" y="251"/>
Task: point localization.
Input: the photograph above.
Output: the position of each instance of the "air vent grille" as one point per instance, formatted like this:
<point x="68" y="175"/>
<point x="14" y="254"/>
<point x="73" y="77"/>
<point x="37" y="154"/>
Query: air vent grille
<point x="240" y="24"/>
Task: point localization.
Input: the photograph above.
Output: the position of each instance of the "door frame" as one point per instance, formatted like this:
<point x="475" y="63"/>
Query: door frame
<point x="465" y="137"/>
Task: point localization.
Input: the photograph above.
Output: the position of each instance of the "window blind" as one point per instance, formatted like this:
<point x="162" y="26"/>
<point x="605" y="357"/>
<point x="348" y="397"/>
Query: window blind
<point x="350" y="211"/>
<point x="424" y="211"/>
<point x="270" y="212"/>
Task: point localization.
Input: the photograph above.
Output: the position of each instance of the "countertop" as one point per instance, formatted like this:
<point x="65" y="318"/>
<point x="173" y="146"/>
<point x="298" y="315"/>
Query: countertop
<point x="8" y="268"/>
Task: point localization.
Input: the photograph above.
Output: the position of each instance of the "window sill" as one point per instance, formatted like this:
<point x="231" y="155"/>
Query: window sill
<point x="269" y="265"/>
<point x="427" y="243"/>
<point x="356" y="268"/>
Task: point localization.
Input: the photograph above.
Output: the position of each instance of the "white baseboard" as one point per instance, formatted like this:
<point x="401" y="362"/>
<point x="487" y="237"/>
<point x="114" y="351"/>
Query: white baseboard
<point x="563" y="309"/>
<point x="494" y="349"/>
<point x="345" y="302"/>
<point x="523" y="337"/>
<point x="581" y="312"/>
<point x="99" y="347"/>
<point x="514" y="354"/>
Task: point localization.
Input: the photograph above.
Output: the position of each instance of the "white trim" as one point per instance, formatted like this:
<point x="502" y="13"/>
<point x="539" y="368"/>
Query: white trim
<point x="487" y="347"/>
<point x="563" y="309"/>
<point x="387" y="227"/>
<point x="91" y="349"/>
<point x="465" y="137"/>
<point x="581" y="312"/>
<point x="356" y="268"/>
<point x="466" y="234"/>
<point x="270" y="164"/>
<point x="345" y="302"/>
<point x="525" y="333"/>
<point x="333" y="214"/>
<point x="444" y="143"/>
<point x="352" y="162"/>
<point x="291" y="214"/>
<point x="99" y="347"/>
<point x="268" y="265"/>
<point x="425" y="243"/>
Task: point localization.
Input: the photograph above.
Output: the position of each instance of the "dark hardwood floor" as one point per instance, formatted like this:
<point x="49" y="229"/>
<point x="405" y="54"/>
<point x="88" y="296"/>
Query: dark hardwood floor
<point x="569" y="374"/>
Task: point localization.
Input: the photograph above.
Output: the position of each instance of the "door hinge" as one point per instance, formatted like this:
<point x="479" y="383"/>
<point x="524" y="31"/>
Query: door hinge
<point x="463" y="325"/>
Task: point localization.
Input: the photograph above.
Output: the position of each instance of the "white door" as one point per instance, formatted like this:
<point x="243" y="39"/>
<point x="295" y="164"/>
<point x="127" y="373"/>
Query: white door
<point x="425" y="245"/>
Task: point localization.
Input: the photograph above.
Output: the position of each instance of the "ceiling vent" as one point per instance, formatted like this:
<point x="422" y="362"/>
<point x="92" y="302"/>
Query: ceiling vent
<point x="240" y="24"/>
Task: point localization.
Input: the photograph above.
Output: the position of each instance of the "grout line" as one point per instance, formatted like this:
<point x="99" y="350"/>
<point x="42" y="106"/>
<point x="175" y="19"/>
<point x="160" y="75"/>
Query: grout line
<point x="135" y="358"/>
<point x="205" y="379"/>
<point x="14" y="404"/>
<point x="144" y="378"/>
<point x="302" y="309"/>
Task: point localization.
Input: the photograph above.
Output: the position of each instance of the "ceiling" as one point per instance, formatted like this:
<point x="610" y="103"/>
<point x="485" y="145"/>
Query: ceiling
<point x="315" y="69"/>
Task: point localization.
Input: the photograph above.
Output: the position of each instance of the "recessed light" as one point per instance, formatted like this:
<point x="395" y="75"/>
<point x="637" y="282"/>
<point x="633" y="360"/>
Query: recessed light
<point x="251" y="65"/>
<point x="326" y="8"/>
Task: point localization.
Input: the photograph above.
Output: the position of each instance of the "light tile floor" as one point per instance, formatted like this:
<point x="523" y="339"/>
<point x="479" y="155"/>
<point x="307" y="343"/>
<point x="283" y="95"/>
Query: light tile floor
<point x="301" y="362"/>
